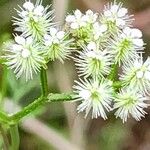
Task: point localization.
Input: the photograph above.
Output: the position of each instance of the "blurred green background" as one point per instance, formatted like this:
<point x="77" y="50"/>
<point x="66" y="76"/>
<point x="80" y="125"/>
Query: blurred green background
<point x="58" y="126"/>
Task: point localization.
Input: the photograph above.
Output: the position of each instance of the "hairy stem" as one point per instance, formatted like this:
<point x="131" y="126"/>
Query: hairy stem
<point x="113" y="73"/>
<point x="15" y="140"/>
<point x="44" y="84"/>
<point x="37" y="103"/>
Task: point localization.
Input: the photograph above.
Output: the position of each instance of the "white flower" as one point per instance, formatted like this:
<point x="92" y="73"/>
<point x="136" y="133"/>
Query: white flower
<point x="57" y="45"/>
<point x="128" y="103"/>
<point x="93" y="63"/>
<point x="99" y="30"/>
<point x="117" y="16"/>
<point x="77" y="20"/>
<point x="33" y="20"/>
<point x="90" y="17"/>
<point x="24" y="57"/>
<point x="92" y="46"/>
<point x="135" y="35"/>
<point x="54" y="37"/>
<point x="127" y="45"/>
<point x="137" y="75"/>
<point x="95" y="96"/>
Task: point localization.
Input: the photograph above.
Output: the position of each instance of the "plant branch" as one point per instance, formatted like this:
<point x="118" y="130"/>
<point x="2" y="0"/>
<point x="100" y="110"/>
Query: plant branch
<point x="13" y="119"/>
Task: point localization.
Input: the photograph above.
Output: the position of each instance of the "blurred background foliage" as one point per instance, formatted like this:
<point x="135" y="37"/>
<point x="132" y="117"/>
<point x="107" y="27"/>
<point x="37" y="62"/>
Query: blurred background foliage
<point x="58" y="126"/>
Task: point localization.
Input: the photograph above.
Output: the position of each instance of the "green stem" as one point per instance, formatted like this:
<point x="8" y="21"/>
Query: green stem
<point x="44" y="84"/>
<point x="15" y="140"/>
<point x="37" y="103"/>
<point x="5" y="139"/>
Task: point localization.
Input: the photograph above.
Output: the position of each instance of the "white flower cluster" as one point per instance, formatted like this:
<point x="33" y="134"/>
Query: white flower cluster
<point x="38" y="43"/>
<point x="107" y="44"/>
<point x="34" y="20"/>
<point x="115" y="16"/>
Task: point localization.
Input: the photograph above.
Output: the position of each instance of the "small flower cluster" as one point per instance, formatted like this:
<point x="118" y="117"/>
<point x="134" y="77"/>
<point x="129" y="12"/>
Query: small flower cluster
<point x="39" y="42"/>
<point x="107" y="44"/>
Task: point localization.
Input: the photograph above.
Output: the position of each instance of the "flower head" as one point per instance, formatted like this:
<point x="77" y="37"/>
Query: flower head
<point x="95" y="96"/>
<point x="127" y="45"/>
<point x="33" y="20"/>
<point x="81" y="25"/>
<point x="130" y="102"/>
<point x="90" y="16"/>
<point x="57" y="45"/>
<point x="24" y="57"/>
<point x="137" y="75"/>
<point x="99" y="30"/>
<point x="92" y="62"/>
<point x="116" y="17"/>
<point x="77" y="20"/>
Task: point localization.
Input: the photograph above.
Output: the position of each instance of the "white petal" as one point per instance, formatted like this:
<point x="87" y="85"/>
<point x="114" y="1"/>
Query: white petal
<point x="39" y="10"/>
<point x="147" y="75"/>
<point x="47" y="37"/>
<point x="24" y="13"/>
<point x="20" y="40"/>
<point x="96" y="26"/>
<point x="85" y="18"/>
<point x="136" y="33"/>
<point x="48" y="43"/>
<point x="137" y="64"/>
<point x="16" y="47"/>
<point x="70" y="18"/>
<point x="103" y="28"/>
<point x="25" y="53"/>
<point x="91" y="46"/>
<point x="120" y="22"/>
<point x="60" y="34"/>
<point x="107" y="13"/>
<point x="83" y="24"/>
<point x="53" y="31"/>
<point x="139" y="74"/>
<point x="28" y="6"/>
<point x="85" y="94"/>
<point x="89" y="12"/>
<point x="122" y="12"/>
<point x="96" y="36"/>
<point x="138" y="42"/>
<point x="74" y="25"/>
<point x="114" y="8"/>
<point x="127" y="31"/>
<point x="91" y="54"/>
<point x="36" y="18"/>
<point x="95" y="16"/>
<point x="29" y="41"/>
<point x="78" y="14"/>
<point x="56" y="41"/>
